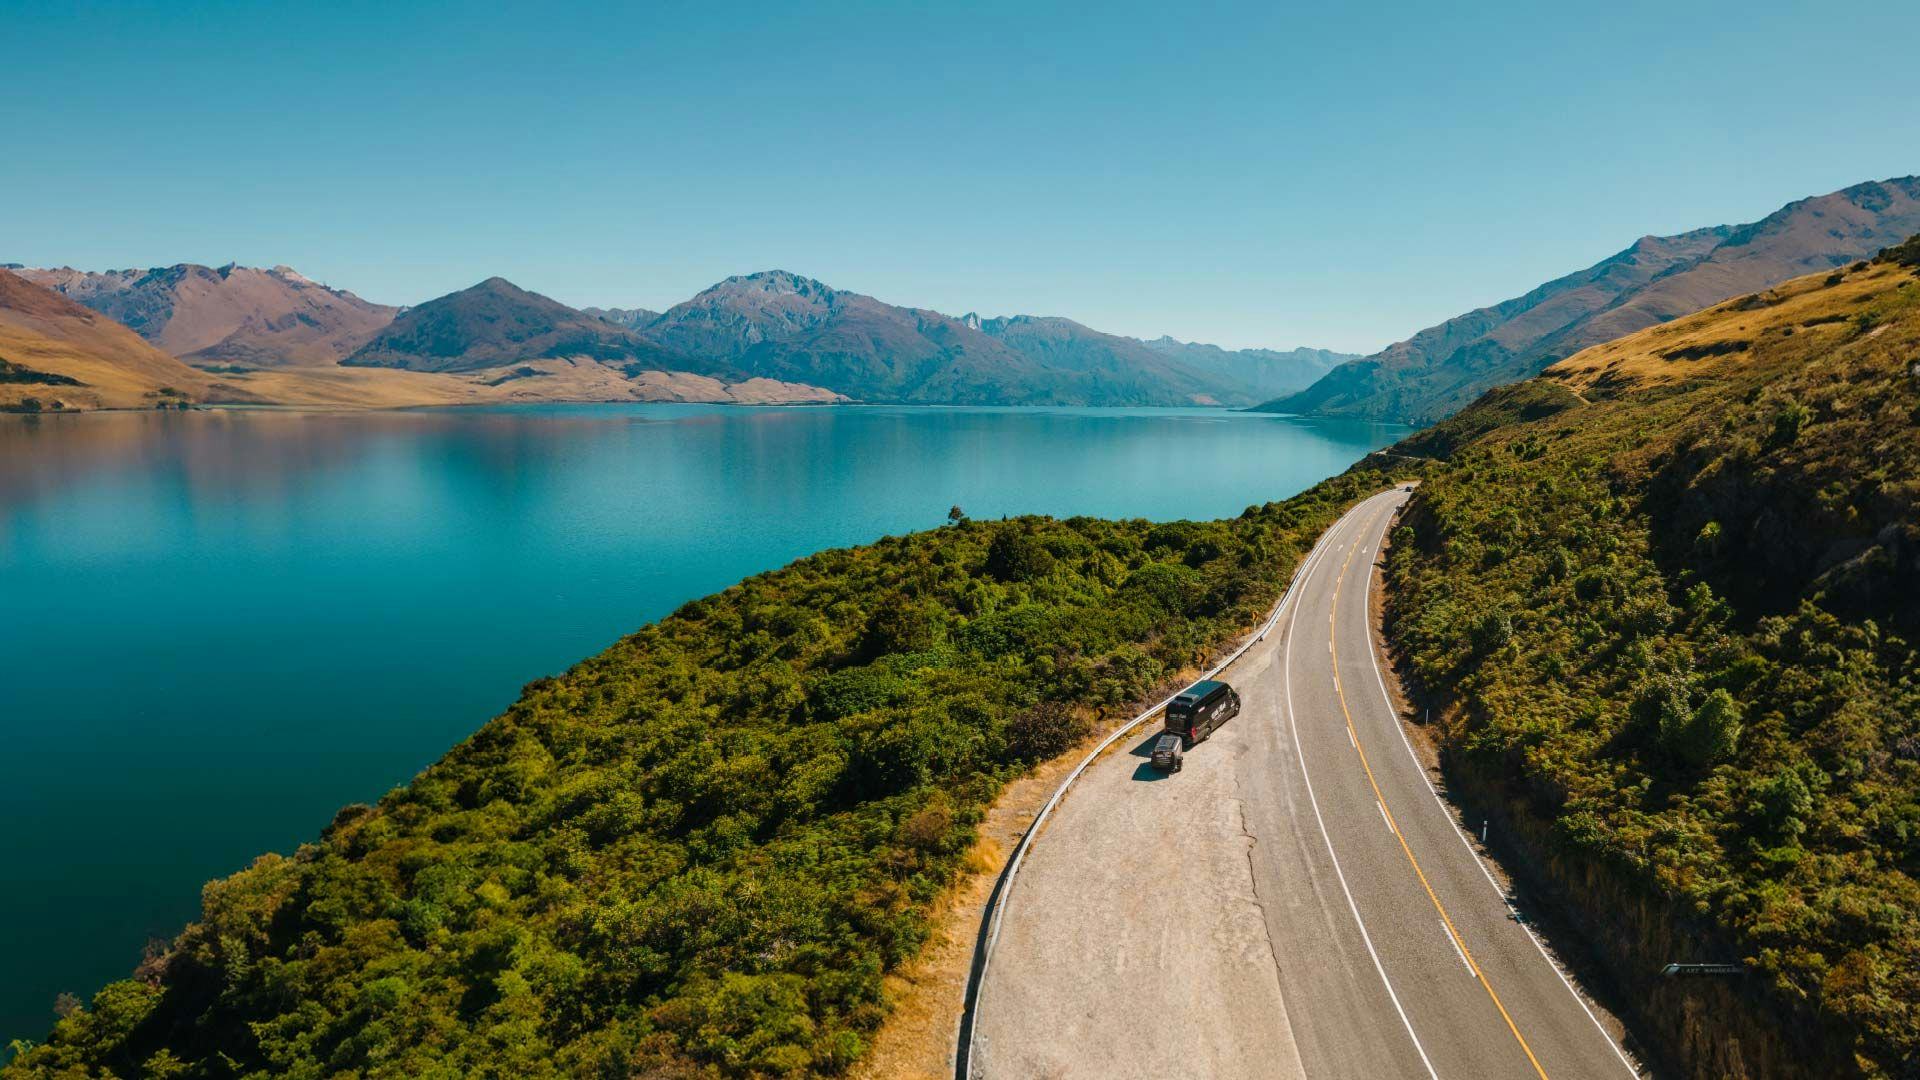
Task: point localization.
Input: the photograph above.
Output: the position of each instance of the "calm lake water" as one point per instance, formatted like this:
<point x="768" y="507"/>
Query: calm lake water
<point x="218" y="627"/>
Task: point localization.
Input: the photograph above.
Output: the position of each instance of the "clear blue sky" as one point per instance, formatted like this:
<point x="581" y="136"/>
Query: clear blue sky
<point x="1251" y="174"/>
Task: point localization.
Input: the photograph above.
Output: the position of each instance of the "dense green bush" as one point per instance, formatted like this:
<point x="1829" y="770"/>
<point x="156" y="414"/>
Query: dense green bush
<point x="698" y="852"/>
<point x="1697" y="654"/>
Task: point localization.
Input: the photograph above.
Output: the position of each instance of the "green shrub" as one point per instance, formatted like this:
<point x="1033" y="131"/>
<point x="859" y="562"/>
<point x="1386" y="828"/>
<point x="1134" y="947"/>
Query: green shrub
<point x="700" y="852"/>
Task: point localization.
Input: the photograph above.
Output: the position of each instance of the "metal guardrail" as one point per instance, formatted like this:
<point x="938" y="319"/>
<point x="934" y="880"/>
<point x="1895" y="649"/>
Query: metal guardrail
<point x="1672" y="970"/>
<point x="1003" y="892"/>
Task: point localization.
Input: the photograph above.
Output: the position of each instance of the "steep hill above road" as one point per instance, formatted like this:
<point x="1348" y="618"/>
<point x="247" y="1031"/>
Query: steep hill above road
<point x="1661" y="601"/>
<point x="1443" y="368"/>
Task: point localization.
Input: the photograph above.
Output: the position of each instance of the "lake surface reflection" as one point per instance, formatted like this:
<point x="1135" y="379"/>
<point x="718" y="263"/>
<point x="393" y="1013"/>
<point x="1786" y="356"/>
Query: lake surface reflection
<point x="221" y="626"/>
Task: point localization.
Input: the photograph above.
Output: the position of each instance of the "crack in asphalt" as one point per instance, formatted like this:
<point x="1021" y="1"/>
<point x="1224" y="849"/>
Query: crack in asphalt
<point x="1253" y="877"/>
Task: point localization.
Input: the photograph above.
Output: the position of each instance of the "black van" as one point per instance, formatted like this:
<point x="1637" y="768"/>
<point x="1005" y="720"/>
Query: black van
<point x="1200" y="709"/>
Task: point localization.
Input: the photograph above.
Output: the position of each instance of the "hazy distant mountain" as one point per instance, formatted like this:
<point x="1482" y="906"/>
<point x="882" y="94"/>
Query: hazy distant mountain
<point x="229" y="315"/>
<point x="1264" y="372"/>
<point x="631" y="318"/>
<point x="785" y="326"/>
<point x="496" y="323"/>
<point x="56" y="354"/>
<point x="1067" y="345"/>
<point x="1659" y="278"/>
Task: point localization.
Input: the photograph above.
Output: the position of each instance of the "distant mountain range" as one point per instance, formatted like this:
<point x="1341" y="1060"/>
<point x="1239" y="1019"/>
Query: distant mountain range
<point x="1204" y="374"/>
<point x="782" y="325"/>
<point x="631" y="318"/>
<point x="776" y="336"/>
<point x="229" y="315"/>
<point x="497" y="324"/>
<point x="1264" y="372"/>
<point x="772" y="336"/>
<point x="1443" y="368"/>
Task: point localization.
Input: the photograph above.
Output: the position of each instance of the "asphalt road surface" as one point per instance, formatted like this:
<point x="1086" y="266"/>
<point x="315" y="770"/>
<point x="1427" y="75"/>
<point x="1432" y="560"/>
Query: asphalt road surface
<point x="1297" y="902"/>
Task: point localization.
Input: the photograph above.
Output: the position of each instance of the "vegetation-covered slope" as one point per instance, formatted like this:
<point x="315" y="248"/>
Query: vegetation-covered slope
<point x="699" y="851"/>
<point x="1666" y="600"/>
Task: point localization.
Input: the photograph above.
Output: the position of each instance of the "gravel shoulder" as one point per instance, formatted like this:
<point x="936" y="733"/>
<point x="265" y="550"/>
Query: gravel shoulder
<point x="1190" y="986"/>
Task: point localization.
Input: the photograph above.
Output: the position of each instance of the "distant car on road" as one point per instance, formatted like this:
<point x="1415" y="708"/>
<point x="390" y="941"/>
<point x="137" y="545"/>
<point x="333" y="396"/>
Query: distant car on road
<point x="1169" y="753"/>
<point x="1200" y="709"/>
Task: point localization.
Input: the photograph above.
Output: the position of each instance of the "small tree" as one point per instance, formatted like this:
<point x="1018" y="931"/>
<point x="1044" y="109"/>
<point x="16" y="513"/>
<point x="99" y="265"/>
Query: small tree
<point x="1699" y="737"/>
<point x="1046" y="729"/>
<point x="1785" y="804"/>
<point x="1015" y="556"/>
<point x="955" y="515"/>
<point x="1788" y="419"/>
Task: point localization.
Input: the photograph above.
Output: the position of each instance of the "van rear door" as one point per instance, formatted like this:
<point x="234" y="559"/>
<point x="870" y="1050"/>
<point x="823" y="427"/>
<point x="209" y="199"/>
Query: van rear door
<point x="1179" y="719"/>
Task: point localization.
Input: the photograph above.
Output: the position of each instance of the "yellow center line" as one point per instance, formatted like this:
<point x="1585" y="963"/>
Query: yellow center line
<point x="1354" y="735"/>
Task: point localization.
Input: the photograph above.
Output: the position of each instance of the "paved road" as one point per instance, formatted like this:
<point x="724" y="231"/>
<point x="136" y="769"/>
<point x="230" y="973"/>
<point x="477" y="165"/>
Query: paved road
<point x="1296" y="903"/>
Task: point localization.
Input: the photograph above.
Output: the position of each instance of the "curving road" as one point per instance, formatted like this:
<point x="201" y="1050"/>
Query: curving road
<point x="1297" y="902"/>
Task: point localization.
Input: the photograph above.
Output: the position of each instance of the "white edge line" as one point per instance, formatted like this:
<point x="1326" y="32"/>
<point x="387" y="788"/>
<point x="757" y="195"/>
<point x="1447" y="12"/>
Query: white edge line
<point x="1380" y="681"/>
<point x="1455" y="942"/>
<point x="1033" y="830"/>
<point x="1286" y="678"/>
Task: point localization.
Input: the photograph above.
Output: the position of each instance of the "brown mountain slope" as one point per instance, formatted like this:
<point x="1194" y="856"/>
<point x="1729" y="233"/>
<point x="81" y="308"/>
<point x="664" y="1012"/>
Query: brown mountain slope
<point x="1808" y="313"/>
<point x="496" y="323"/>
<point x="56" y="354"/>
<point x="1443" y="368"/>
<point x="780" y="325"/>
<point x="233" y="315"/>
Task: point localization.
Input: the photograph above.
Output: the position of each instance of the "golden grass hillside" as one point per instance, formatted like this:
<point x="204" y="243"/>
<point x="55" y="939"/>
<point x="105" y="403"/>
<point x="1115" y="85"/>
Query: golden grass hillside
<point x="59" y="355"/>
<point x="1799" y="319"/>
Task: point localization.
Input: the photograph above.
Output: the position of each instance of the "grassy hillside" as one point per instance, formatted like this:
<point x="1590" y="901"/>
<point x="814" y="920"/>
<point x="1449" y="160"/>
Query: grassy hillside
<point x="1444" y="368"/>
<point x="56" y="355"/>
<point x="698" y="852"/>
<point x="1665" y="600"/>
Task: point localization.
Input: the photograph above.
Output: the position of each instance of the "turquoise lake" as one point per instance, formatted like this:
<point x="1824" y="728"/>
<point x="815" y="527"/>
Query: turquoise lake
<point x="221" y="626"/>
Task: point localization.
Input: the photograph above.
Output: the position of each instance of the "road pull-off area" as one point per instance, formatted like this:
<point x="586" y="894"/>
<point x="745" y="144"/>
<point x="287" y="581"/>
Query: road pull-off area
<point x="1297" y="902"/>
